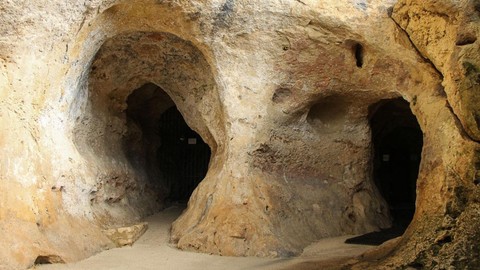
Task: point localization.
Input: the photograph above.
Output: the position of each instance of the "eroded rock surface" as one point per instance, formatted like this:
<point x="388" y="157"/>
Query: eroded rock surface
<point x="281" y="91"/>
<point x="125" y="236"/>
<point x="446" y="34"/>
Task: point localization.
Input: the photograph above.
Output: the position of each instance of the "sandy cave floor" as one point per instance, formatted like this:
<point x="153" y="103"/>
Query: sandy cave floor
<point x="152" y="251"/>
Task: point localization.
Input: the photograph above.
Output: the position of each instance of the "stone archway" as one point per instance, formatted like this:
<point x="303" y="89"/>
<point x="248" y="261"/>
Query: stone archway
<point x="160" y="141"/>
<point x="183" y="156"/>
<point x="143" y="86"/>
<point x="397" y="142"/>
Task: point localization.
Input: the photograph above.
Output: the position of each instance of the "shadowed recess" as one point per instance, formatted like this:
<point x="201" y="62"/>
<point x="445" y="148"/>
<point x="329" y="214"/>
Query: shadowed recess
<point x="176" y="157"/>
<point x="397" y="141"/>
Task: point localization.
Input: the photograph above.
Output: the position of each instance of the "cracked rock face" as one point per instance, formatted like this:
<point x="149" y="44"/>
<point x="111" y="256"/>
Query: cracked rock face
<point x="446" y="34"/>
<point x="282" y="93"/>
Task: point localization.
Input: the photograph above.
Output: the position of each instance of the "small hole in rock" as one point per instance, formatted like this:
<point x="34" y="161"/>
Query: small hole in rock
<point x="446" y="239"/>
<point x="476" y="181"/>
<point x="440" y="91"/>
<point x="281" y="94"/>
<point x="390" y="11"/>
<point x="465" y="39"/>
<point x="358" y="50"/>
<point x="48" y="259"/>
<point x="416" y="265"/>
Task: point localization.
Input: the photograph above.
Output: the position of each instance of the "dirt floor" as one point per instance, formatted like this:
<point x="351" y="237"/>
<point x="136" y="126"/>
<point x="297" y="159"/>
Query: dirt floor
<point x="152" y="251"/>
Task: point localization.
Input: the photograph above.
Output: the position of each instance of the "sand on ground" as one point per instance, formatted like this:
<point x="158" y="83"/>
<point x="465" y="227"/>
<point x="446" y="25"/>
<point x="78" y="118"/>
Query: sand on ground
<point x="153" y="251"/>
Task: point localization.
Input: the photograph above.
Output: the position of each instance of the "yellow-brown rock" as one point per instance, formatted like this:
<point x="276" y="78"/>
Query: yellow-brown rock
<point x="281" y="91"/>
<point x="126" y="236"/>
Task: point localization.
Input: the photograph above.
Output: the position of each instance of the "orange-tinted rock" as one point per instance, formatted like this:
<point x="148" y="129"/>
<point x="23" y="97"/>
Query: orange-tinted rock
<point x="282" y="93"/>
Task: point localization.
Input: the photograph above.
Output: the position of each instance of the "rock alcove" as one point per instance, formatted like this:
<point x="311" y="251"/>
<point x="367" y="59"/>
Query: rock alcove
<point x="175" y="157"/>
<point x="138" y="130"/>
<point x="397" y="142"/>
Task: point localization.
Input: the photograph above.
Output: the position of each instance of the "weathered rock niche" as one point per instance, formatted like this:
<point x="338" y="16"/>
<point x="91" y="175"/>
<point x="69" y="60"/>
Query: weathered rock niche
<point x="142" y="90"/>
<point x="280" y="123"/>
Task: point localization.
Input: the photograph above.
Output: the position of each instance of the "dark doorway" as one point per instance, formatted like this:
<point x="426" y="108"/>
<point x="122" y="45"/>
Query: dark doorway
<point x="159" y="143"/>
<point x="397" y="144"/>
<point x="397" y="141"/>
<point x="183" y="156"/>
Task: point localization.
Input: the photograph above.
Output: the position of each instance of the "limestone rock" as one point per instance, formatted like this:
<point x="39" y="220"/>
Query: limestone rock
<point x="283" y="93"/>
<point x="446" y="33"/>
<point x="126" y="236"/>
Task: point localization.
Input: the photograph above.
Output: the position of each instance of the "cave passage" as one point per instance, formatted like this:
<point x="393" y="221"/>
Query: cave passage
<point x="160" y="143"/>
<point x="397" y="141"/>
<point x="183" y="156"/>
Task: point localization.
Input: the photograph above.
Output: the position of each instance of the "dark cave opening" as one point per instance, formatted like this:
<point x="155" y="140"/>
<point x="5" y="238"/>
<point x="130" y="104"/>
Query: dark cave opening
<point x="358" y="51"/>
<point x="183" y="156"/>
<point x="397" y="141"/>
<point x="159" y="142"/>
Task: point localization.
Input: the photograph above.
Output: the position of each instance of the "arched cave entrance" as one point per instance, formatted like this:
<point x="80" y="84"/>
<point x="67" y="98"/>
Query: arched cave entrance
<point x="397" y="145"/>
<point x="140" y="155"/>
<point x="176" y="157"/>
<point x="397" y="141"/>
<point x="183" y="156"/>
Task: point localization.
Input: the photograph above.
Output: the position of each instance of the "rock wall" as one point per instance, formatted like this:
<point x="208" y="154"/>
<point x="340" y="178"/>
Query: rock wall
<point x="279" y="90"/>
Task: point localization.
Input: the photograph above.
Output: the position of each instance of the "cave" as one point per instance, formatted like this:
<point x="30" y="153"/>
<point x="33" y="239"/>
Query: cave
<point x="397" y="146"/>
<point x="143" y="125"/>
<point x="245" y="128"/>
<point x="176" y="156"/>
<point x="183" y="156"/>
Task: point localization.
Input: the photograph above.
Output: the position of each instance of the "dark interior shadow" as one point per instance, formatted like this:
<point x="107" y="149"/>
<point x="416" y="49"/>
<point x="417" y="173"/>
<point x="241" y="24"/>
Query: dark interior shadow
<point x="397" y="141"/>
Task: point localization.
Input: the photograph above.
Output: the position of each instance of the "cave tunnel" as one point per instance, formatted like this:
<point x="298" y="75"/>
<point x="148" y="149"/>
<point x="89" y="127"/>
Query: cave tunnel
<point x="397" y="142"/>
<point x="174" y="156"/>
<point x="183" y="156"/>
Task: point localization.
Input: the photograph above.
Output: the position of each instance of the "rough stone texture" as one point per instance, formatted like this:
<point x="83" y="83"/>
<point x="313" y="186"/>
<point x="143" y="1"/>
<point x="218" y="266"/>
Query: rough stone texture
<point x="277" y="91"/>
<point x="125" y="236"/>
<point x="446" y="34"/>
